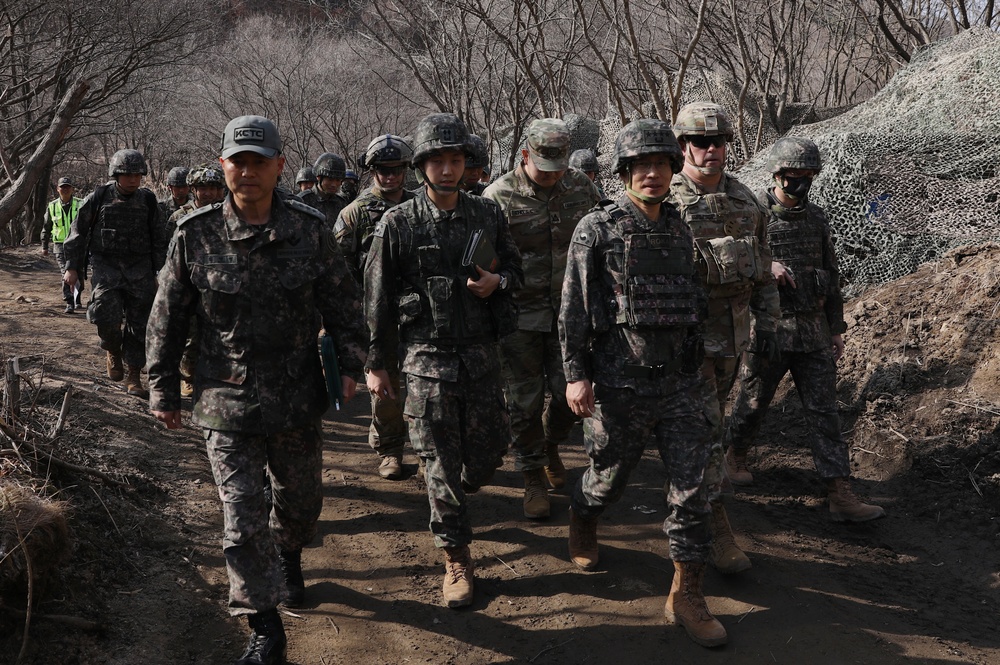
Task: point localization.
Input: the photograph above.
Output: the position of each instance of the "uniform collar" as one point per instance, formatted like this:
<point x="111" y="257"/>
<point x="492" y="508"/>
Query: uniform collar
<point x="527" y="187"/>
<point x="278" y="226"/>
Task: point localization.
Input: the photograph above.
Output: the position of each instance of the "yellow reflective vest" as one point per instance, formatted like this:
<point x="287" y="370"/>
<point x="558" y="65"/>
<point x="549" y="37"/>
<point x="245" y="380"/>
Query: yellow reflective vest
<point x="60" y="222"/>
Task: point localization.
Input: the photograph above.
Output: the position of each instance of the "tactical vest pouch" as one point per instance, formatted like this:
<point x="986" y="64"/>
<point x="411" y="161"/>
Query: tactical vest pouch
<point x="730" y="259"/>
<point x="806" y="296"/>
<point x="439" y="290"/>
<point x="409" y="308"/>
<point x="658" y="288"/>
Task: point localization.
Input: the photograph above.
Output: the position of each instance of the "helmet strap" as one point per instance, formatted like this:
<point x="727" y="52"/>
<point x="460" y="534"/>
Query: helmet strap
<point x="645" y="198"/>
<point x="440" y="189"/>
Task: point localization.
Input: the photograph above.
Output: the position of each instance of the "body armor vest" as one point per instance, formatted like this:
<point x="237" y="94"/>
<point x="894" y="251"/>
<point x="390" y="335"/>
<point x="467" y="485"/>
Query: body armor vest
<point x="797" y="243"/>
<point x="123" y="225"/>
<point x="726" y="244"/>
<point x="657" y="289"/>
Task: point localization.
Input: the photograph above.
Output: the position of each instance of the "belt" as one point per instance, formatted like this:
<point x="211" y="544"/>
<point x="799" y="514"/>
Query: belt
<point x="653" y="371"/>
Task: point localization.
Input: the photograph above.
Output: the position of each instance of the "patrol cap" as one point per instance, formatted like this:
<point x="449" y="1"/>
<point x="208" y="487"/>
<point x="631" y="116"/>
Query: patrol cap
<point x="548" y="144"/>
<point x="251" y="133"/>
<point x="64" y="181"/>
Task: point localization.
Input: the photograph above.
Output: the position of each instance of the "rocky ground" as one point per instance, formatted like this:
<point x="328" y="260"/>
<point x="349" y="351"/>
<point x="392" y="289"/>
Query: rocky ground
<point x="919" y="398"/>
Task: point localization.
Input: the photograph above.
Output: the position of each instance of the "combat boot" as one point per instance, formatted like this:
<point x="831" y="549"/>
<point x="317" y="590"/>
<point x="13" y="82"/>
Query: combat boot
<point x="845" y="505"/>
<point x="725" y="555"/>
<point x="391" y="467"/>
<point x="133" y="382"/>
<point x="295" y="585"/>
<point x="555" y="472"/>
<point x="582" y="541"/>
<point x="116" y="371"/>
<point x="536" y="496"/>
<point x="736" y="467"/>
<point x="686" y="605"/>
<point x="267" y="641"/>
<point x="458" y="576"/>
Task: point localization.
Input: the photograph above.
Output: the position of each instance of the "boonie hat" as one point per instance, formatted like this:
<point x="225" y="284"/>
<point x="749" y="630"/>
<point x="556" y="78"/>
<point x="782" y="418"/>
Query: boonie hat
<point x="251" y="133"/>
<point x="548" y="143"/>
<point x="64" y="181"/>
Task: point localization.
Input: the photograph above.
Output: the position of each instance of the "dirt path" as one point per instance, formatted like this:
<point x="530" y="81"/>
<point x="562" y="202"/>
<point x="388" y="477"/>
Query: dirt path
<point x="920" y="586"/>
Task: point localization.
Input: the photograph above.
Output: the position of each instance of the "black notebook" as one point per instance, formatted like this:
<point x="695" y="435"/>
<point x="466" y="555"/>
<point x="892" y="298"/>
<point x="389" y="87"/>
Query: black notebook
<point x="479" y="252"/>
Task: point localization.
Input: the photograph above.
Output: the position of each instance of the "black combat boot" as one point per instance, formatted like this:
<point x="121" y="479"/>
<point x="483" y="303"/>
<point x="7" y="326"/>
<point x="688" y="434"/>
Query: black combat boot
<point x="267" y="642"/>
<point x="295" y="586"/>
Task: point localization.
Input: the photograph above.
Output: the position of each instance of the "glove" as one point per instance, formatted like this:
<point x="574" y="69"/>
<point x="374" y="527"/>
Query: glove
<point x="694" y="354"/>
<point x="767" y="345"/>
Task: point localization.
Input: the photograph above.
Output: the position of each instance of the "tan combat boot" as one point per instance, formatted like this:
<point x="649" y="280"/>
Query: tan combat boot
<point x="686" y="606"/>
<point x="458" y="576"/>
<point x="555" y="472"/>
<point x="116" y="372"/>
<point x="391" y="467"/>
<point x="845" y="505"/>
<point x="736" y="467"/>
<point x="536" y="496"/>
<point x="725" y="555"/>
<point x="582" y="541"/>
<point x="133" y="382"/>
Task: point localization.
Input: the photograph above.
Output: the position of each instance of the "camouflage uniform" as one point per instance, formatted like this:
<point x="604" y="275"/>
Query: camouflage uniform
<point x="644" y="369"/>
<point x="416" y="288"/>
<point x="328" y="204"/>
<point x="733" y="260"/>
<point x="811" y="314"/>
<point x="541" y="223"/>
<point x="259" y="386"/>
<point x="126" y="241"/>
<point x="353" y="231"/>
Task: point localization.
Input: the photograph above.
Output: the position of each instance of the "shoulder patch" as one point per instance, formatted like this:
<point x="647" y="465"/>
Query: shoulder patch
<point x="305" y="208"/>
<point x="204" y="210"/>
<point x="584" y="236"/>
<point x="379" y="231"/>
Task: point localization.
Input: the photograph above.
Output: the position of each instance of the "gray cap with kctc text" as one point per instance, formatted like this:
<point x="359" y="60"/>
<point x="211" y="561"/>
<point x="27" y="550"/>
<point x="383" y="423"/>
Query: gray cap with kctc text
<point x="548" y="143"/>
<point x="251" y="133"/>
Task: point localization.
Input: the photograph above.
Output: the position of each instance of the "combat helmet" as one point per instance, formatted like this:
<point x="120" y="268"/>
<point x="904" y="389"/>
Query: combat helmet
<point x="793" y="152"/>
<point x="648" y="136"/>
<point x="126" y="162"/>
<point x="585" y="160"/>
<point x="439" y="131"/>
<point x="479" y="156"/>
<point x="330" y="165"/>
<point x="351" y="175"/>
<point x="387" y="148"/>
<point x="177" y="176"/>
<point x="205" y="175"/>
<point x="305" y="174"/>
<point x="703" y="119"/>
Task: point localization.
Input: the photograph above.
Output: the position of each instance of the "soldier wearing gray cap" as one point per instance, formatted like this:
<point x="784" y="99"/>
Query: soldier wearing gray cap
<point x="59" y="216"/>
<point x="542" y="200"/>
<point x="120" y="230"/>
<point x="258" y="272"/>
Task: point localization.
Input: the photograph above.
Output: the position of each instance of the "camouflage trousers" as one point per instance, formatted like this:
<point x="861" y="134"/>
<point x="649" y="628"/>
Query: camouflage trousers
<point x="387" y="432"/>
<point x="122" y="293"/>
<point x="719" y="373"/>
<point x="815" y="376"/>
<point x="251" y="540"/>
<point x="460" y="429"/>
<point x="532" y="363"/>
<point x="615" y="438"/>
<point x="67" y="291"/>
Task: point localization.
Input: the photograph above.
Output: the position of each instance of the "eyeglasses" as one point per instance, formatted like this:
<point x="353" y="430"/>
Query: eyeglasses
<point x="704" y="142"/>
<point x="389" y="170"/>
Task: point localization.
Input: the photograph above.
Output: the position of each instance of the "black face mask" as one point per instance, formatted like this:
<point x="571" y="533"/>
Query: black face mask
<point x="795" y="188"/>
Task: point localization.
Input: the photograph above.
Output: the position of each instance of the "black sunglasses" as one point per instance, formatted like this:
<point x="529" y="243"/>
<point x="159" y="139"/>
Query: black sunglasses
<point x="704" y="141"/>
<point x="389" y="170"/>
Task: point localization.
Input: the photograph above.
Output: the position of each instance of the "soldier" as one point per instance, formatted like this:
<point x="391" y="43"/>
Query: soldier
<point x="388" y="157"/>
<point x="630" y="329"/>
<point x="180" y="192"/>
<point x="417" y="291"/>
<point x="208" y="187"/>
<point x="330" y="170"/>
<point x="305" y="179"/>
<point x="59" y="217"/>
<point x="732" y="256"/>
<point x="810" y="330"/>
<point x="258" y="272"/>
<point x="542" y="201"/>
<point x="349" y="188"/>
<point x="119" y="227"/>
<point x="585" y="160"/>
<point x="474" y="165"/>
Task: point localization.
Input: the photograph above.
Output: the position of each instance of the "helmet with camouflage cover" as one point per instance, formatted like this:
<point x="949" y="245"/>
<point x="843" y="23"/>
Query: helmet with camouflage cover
<point x="177" y="176"/>
<point x="645" y="137"/>
<point x="205" y="175"/>
<point x="330" y="165"/>
<point x="305" y="174"/>
<point x="126" y="162"/>
<point x="585" y="160"/>
<point x="439" y="131"/>
<point x="388" y="148"/>
<point x="703" y="119"/>
<point x="480" y="156"/>
<point x="351" y="175"/>
<point x="793" y="152"/>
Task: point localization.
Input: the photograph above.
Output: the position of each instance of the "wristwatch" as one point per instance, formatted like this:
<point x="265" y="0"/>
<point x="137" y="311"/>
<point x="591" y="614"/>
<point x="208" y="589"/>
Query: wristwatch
<point x="503" y="282"/>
